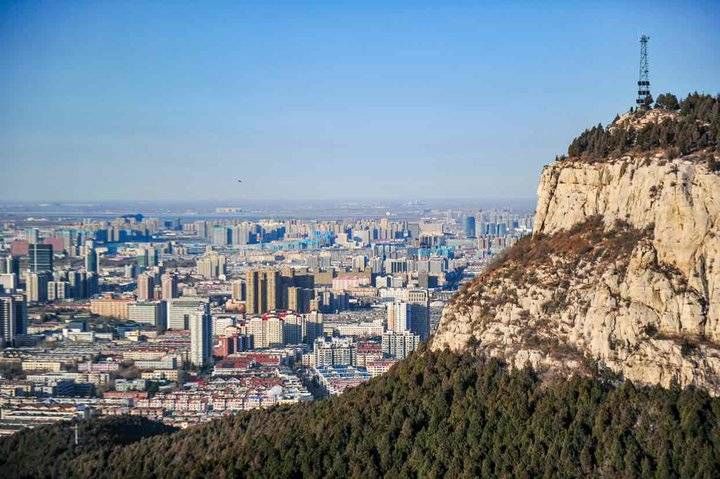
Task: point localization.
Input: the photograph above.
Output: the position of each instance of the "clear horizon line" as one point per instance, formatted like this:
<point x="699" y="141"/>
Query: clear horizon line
<point x="259" y="200"/>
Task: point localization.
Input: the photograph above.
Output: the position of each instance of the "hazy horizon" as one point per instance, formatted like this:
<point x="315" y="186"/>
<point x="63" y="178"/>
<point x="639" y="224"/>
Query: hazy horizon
<point x="163" y="102"/>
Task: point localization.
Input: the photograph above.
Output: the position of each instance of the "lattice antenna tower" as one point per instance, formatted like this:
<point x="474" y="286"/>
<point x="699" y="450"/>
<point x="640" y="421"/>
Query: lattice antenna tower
<point x="644" y="98"/>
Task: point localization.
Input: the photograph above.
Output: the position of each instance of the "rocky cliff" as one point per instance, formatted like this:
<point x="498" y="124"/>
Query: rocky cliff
<point x="622" y="269"/>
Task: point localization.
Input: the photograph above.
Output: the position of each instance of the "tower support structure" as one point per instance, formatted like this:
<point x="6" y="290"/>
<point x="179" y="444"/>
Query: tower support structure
<point x="644" y="98"/>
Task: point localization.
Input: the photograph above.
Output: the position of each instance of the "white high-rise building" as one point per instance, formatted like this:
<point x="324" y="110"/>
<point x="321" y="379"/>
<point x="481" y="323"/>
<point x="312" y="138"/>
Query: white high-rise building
<point x="37" y="287"/>
<point x="211" y="265"/>
<point x="399" y="344"/>
<point x="7" y="319"/>
<point x="201" y="337"/>
<point x="180" y="309"/>
<point x="334" y="352"/>
<point x="267" y="332"/>
<point x="398" y="316"/>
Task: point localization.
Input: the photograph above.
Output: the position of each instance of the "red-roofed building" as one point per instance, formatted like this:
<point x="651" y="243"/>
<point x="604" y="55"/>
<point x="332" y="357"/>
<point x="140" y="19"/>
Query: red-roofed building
<point x="58" y="244"/>
<point x="19" y="248"/>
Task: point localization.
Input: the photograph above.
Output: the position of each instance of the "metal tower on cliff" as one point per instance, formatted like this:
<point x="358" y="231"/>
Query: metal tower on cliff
<point x="644" y="98"/>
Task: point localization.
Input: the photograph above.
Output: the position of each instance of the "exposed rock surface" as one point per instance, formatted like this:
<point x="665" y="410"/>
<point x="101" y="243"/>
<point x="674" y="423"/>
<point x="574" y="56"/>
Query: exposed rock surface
<point x="622" y="268"/>
<point x="678" y="199"/>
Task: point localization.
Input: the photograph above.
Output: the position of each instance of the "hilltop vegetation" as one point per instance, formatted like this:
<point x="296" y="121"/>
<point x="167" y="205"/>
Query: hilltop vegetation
<point x="682" y="127"/>
<point x="46" y="450"/>
<point x="435" y="415"/>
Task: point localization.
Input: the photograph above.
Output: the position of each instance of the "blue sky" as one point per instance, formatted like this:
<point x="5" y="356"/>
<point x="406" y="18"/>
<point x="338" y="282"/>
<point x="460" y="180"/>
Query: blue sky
<point x="174" y="100"/>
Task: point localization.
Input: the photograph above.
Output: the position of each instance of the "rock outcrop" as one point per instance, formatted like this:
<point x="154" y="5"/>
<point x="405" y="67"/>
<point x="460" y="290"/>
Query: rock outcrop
<point x="622" y="271"/>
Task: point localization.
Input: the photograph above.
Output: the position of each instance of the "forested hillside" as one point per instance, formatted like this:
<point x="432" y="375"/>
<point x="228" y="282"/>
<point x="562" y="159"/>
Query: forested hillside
<point x="437" y="414"/>
<point x="43" y="452"/>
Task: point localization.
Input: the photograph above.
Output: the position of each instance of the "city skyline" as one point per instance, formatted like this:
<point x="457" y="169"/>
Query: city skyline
<point x="299" y="309"/>
<point x="328" y="101"/>
<point x="292" y="238"/>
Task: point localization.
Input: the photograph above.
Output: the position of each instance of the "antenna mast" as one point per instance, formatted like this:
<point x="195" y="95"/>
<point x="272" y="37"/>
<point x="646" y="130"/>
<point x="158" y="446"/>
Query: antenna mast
<point x="644" y="98"/>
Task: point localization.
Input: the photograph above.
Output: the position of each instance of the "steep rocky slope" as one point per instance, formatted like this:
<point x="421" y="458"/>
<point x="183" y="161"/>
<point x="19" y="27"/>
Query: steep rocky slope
<point x="622" y="269"/>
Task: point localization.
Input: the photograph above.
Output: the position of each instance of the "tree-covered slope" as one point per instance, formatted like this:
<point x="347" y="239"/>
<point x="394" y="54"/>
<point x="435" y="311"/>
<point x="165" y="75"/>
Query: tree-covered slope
<point x="46" y="451"/>
<point x="679" y="127"/>
<point x="436" y="414"/>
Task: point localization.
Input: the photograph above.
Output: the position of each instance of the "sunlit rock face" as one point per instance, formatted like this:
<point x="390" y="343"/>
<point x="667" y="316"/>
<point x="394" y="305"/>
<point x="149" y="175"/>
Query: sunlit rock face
<point x="621" y="271"/>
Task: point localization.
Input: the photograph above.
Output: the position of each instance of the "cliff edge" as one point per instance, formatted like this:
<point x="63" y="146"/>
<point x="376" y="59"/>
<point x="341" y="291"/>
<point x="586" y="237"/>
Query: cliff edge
<point x="623" y="268"/>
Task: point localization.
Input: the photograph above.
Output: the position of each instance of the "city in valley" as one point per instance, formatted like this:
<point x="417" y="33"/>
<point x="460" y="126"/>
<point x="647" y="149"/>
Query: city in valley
<point x="186" y="314"/>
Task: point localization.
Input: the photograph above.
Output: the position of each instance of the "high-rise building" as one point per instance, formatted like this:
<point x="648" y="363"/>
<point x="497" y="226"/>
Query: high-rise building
<point x="419" y="302"/>
<point x="8" y="281"/>
<point x="293" y="328"/>
<point x="425" y="280"/>
<point x="238" y="290"/>
<point x="92" y="286"/>
<point x="398" y="316"/>
<point x="359" y="262"/>
<point x="82" y="284"/>
<point x="221" y="235"/>
<point x="334" y="352"/>
<point x="201" y="228"/>
<point x="32" y="235"/>
<point x="267" y="332"/>
<point x="69" y="238"/>
<point x="131" y="271"/>
<point x="313" y="327"/>
<point x="211" y="265"/>
<point x="169" y="286"/>
<point x="21" y="313"/>
<point x="58" y="290"/>
<point x="37" y="287"/>
<point x="40" y="258"/>
<point x="261" y="291"/>
<point x="77" y="285"/>
<point x="7" y="319"/>
<point x="295" y="289"/>
<point x="240" y="234"/>
<point x="299" y="299"/>
<point x="145" y="287"/>
<point x="201" y="336"/>
<point x="12" y="265"/>
<point x="148" y="257"/>
<point x="91" y="260"/>
<point x="399" y="344"/>
<point x="180" y="309"/>
<point x="469" y="227"/>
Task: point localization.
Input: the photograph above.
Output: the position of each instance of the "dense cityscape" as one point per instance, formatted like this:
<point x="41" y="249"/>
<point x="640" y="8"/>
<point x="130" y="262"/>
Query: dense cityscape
<point x="186" y="316"/>
<point x="301" y="239"/>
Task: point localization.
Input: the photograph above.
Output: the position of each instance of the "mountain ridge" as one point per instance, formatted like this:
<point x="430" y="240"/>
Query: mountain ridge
<point x="651" y="314"/>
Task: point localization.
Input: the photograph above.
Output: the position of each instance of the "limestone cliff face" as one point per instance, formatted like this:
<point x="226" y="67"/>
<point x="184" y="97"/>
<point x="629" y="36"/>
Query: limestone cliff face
<point x="623" y="268"/>
<point x="678" y="199"/>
